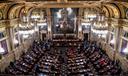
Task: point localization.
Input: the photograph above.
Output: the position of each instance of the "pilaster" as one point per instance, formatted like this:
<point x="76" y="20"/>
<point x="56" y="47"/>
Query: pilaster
<point x="109" y="29"/>
<point x="10" y="32"/>
<point x="79" y="24"/>
<point x="49" y="23"/>
<point x="118" y="33"/>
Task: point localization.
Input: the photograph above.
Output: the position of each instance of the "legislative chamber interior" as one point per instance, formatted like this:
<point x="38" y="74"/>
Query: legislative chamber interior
<point x="64" y="37"/>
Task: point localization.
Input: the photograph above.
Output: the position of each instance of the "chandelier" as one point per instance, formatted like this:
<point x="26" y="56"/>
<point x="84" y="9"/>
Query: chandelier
<point x="26" y="26"/>
<point x="89" y="14"/>
<point x="26" y="29"/>
<point x="100" y="26"/>
<point x="99" y="23"/>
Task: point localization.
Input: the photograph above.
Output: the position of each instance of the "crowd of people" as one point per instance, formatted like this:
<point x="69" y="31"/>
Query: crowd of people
<point x="78" y="65"/>
<point x="89" y="59"/>
<point x="102" y="64"/>
<point x="27" y="62"/>
<point x="42" y="58"/>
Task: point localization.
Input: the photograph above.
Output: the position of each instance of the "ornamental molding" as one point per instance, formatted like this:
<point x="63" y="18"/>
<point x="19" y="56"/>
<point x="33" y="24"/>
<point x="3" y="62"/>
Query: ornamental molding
<point x="9" y="23"/>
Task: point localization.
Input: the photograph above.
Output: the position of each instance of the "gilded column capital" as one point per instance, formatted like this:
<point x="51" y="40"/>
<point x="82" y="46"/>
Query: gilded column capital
<point x="120" y="21"/>
<point x="7" y="23"/>
<point x="109" y="20"/>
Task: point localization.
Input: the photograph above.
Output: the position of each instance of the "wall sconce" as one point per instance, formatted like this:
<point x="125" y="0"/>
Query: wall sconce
<point x="2" y="51"/>
<point x="16" y="41"/>
<point x="80" y="29"/>
<point x="112" y="41"/>
<point x="49" y="29"/>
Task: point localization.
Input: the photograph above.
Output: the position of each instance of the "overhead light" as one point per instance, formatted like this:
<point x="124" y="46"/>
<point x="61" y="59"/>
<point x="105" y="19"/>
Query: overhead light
<point x="69" y="11"/>
<point x="41" y="24"/>
<point x="49" y="29"/>
<point x="35" y="16"/>
<point x="26" y="32"/>
<point x="103" y="32"/>
<point x="2" y="51"/>
<point x="25" y="36"/>
<point x="104" y="36"/>
<point x="80" y="29"/>
<point x="15" y="41"/>
<point x="125" y="50"/>
<point x="112" y="41"/>
<point x="57" y="25"/>
<point x="85" y="23"/>
<point x="36" y="29"/>
<point x="59" y="13"/>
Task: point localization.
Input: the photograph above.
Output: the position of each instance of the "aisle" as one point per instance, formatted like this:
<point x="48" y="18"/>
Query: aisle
<point x="64" y="65"/>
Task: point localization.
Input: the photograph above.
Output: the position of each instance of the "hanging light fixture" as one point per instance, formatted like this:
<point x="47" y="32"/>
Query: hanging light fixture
<point x="89" y="14"/>
<point x="99" y="23"/>
<point x="35" y="16"/>
<point x="100" y="26"/>
<point x="25" y="36"/>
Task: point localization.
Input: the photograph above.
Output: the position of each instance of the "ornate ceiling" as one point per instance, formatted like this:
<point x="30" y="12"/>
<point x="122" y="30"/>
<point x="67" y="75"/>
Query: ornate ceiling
<point x="112" y="8"/>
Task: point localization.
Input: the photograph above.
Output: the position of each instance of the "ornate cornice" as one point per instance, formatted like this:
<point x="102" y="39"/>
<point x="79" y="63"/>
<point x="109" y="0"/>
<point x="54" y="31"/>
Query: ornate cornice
<point x="9" y="23"/>
<point x="117" y="22"/>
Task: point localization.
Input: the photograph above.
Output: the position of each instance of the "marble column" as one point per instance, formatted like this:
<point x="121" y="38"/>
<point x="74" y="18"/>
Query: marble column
<point x="118" y="35"/>
<point x="79" y="24"/>
<point x="49" y="23"/>
<point x="109" y="29"/>
<point x="9" y="34"/>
